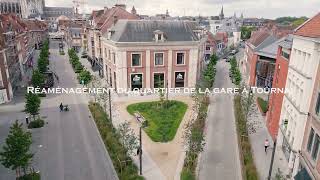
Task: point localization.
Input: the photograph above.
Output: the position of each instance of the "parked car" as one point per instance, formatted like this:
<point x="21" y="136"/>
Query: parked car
<point x="84" y="55"/>
<point x="49" y="79"/>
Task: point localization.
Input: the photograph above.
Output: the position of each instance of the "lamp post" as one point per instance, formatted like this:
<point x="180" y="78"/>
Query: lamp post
<point x="140" y="150"/>
<point x="272" y="158"/>
<point x="110" y="110"/>
<point x="140" y="144"/>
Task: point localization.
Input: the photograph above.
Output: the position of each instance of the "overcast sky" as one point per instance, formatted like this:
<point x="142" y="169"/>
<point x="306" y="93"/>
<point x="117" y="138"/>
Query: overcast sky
<point x="249" y="8"/>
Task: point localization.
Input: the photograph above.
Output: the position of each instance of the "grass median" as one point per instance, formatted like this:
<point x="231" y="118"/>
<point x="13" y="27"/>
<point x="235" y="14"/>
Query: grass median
<point x="123" y="164"/>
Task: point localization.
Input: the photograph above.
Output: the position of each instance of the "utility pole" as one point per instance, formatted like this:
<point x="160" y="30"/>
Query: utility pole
<point x="272" y="158"/>
<point x="140" y="151"/>
<point x="110" y="112"/>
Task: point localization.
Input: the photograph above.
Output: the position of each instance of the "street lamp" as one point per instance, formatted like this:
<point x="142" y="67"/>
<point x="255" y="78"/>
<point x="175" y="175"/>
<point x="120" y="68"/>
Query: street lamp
<point x="140" y="142"/>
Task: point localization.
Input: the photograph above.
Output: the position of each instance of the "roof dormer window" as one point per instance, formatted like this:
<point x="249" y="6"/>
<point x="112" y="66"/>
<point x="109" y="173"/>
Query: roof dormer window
<point x="159" y="36"/>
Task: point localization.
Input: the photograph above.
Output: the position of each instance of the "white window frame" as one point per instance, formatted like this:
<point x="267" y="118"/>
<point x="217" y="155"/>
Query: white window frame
<point x="131" y="60"/>
<point x="154" y="58"/>
<point x="184" y="58"/>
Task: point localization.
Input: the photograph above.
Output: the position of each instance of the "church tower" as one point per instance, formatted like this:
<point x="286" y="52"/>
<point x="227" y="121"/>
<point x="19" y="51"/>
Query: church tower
<point x="221" y="16"/>
<point x="133" y="10"/>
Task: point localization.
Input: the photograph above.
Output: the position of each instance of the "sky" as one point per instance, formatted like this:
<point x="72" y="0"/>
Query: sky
<point x="250" y="8"/>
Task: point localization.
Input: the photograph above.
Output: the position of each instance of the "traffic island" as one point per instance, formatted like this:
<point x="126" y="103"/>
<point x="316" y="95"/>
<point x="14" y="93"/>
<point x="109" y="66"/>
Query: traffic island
<point x="163" y="118"/>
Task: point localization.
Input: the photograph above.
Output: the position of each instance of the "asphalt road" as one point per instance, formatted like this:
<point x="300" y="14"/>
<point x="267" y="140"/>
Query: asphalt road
<point x="69" y="147"/>
<point x="220" y="158"/>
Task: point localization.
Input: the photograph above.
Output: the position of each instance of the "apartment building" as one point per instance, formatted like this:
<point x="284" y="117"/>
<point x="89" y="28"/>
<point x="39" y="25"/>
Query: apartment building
<point x="21" y="37"/>
<point x="298" y="103"/>
<point x="309" y="166"/>
<point x="100" y="22"/>
<point x="153" y="54"/>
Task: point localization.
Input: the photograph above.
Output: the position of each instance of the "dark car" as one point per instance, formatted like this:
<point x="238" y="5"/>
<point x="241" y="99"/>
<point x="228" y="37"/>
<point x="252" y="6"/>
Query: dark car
<point x="49" y="79"/>
<point x="84" y="55"/>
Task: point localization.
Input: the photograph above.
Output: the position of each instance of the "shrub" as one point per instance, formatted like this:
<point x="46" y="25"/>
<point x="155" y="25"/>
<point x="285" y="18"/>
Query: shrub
<point x="247" y="162"/>
<point x="235" y="72"/>
<point x="32" y="176"/>
<point x="187" y="175"/>
<point x="78" y="67"/>
<point x="62" y="53"/>
<point x="36" y="124"/>
<point x="111" y="139"/>
<point x="84" y="76"/>
<point x="262" y="104"/>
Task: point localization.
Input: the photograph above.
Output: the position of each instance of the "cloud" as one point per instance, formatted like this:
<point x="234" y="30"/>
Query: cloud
<point x="250" y="8"/>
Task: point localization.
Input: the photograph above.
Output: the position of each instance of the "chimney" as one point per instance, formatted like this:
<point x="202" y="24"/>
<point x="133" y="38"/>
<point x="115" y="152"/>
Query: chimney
<point x="115" y="19"/>
<point x="105" y="9"/>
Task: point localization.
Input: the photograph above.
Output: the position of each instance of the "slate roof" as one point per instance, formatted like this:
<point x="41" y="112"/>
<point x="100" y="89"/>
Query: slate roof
<point x="257" y="37"/>
<point x="143" y="30"/>
<point x="311" y="28"/>
<point x="268" y="47"/>
<point x="286" y="42"/>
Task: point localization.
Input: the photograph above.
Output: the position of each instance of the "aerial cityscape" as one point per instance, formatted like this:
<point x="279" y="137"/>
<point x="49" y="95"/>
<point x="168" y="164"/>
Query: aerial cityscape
<point x="169" y="90"/>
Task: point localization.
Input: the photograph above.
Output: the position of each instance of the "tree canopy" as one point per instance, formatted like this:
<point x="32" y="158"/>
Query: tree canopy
<point x="16" y="150"/>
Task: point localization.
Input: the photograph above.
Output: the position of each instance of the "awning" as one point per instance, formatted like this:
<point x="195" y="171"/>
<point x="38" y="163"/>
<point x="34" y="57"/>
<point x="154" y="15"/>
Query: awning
<point x="302" y="175"/>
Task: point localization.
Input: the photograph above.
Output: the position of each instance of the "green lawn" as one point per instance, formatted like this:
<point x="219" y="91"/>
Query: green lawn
<point x="263" y="104"/>
<point x="163" y="121"/>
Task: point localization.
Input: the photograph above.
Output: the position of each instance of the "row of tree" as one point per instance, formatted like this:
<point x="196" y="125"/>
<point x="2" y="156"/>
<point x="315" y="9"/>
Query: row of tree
<point x="16" y="153"/>
<point x="193" y="135"/>
<point x="84" y="75"/>
<point x="235" y="72"/>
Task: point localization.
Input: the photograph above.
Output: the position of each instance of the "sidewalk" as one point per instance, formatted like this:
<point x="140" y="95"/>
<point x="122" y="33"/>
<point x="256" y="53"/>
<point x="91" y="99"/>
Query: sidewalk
<point x="258" y="133"/>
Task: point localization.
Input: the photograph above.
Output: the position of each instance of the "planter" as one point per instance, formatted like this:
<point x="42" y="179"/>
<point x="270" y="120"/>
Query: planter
<point x="260" y="109"/>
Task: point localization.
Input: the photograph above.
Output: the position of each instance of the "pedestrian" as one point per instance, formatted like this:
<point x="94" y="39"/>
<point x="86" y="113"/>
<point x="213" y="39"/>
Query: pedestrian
<point x="61" y="107"/>
<point x="266" y="145"/>
<point x="27" y="119"/>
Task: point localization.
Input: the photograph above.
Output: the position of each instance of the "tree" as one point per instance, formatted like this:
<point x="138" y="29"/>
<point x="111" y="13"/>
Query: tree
<point x="42" y="65"/>
<point x="32" y="105"/>
<point x="128" y="138"/>
<point x="37" y="79"/>
<point x="246" y="32"/>
<point x="15" y="154"/>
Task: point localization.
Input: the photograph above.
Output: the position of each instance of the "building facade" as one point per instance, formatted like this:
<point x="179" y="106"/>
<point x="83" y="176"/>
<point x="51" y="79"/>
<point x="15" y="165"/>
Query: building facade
<point x="21" y="38"/>
<point x="10" y="6"/>
<point x="297" y="102"/>
<point x="151" y="54"/>
<point x="100" y="22"/>
<point x="279" y="81"/>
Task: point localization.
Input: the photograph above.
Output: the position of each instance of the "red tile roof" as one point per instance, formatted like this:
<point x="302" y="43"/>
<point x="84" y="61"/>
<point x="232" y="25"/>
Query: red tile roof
<point x="257" y="37"/>
<point x="310" y="28"/>
<point x="106" y="20"/>
<point x="12" y="22"/>
<point x="35" y="25"/>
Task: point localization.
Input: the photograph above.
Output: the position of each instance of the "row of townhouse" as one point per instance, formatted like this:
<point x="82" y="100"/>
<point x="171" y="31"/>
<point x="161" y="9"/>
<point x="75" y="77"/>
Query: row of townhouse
<point x="293" y="118"/>
<point x="21" y="38"/>
<point x="133" y="53"/>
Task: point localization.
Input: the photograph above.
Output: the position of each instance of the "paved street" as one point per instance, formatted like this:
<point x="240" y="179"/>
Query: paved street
<point x="69" y="146"/>
<point x="220" y="159"/>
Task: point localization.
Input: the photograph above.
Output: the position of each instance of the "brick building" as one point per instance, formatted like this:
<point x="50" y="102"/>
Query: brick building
<point x="153" y="54"/>
<point x="21" y="38"/>
<point x="279" y="81"/>
<point x="100" y="22"/>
